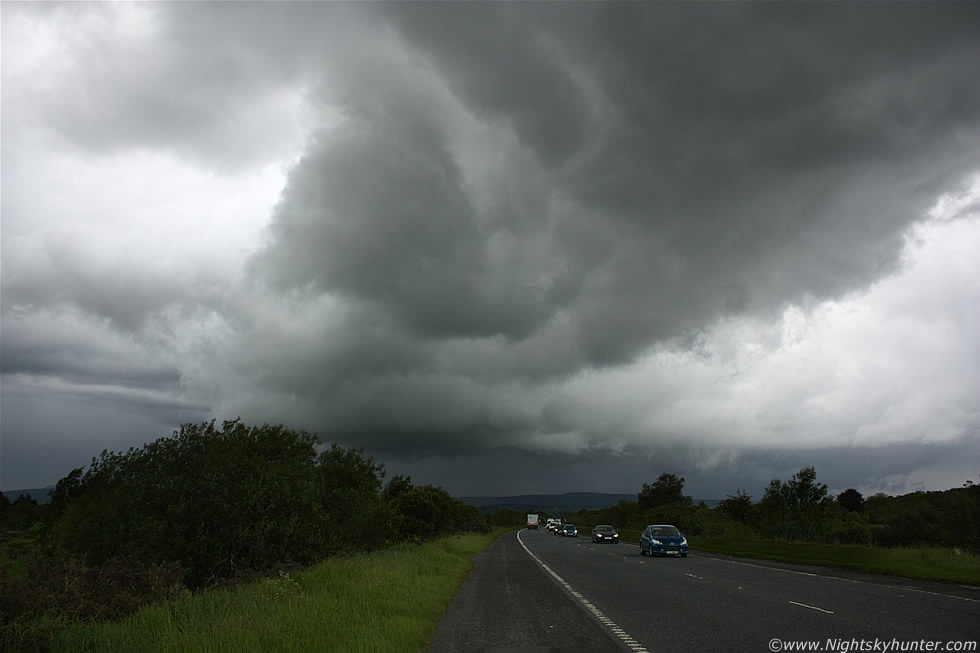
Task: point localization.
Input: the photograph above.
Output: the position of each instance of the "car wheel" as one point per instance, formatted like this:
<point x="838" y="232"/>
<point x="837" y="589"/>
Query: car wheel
<point x="683" y="555"/>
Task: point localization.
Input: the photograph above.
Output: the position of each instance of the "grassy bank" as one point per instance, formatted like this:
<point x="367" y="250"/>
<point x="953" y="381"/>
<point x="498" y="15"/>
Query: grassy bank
<point x="383" y="601"/>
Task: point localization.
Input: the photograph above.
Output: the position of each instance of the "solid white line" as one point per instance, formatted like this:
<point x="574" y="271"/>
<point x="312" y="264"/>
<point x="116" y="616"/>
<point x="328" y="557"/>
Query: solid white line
<point x="812" y="607"/>
<point x="609" y="623"/>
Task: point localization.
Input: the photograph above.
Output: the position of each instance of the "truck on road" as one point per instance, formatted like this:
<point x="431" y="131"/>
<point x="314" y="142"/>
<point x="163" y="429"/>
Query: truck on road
<point x="532" y="520"/>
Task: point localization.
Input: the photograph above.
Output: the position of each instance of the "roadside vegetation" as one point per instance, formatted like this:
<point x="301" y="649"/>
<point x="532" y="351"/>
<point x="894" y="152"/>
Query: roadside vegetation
<point x="254" y="538"/>
<point x="388" y="600"/>
<point x="210" y="508"/>
<point x="923" y="535"/>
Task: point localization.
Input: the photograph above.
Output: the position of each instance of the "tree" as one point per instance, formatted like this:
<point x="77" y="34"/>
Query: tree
<point x="790" y="508"/>
<point x="426" y="511"/>
<point x="737" y="507"/>
<point x="350" y="492"/>
<point x="667" y="489"/>
<point x="21" y="513"/>
<point x="216" y="500"/>
<point x="396" y="486"/>
<point x="507" y="517"/>
<point x="851" y="500"/>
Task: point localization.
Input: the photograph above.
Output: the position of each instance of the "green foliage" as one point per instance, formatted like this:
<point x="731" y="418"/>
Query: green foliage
<point x="427" y="511"/>
<point x="21" y="513"/>
<point x="396" y="486"/>
<point x="851" y="500"/>
<point x="738" y="507"/>
<point x="225" y="502"/>
<point x="215" y="500"/>
<point x="666" y="490"/>
<point x="349" y="499"/>
<point x="950" y="517"/>
<point x="796" y="508"/>
<point x="509" y="517"/>
<point x="926" y="563"/>
<point x="380" y="601"/>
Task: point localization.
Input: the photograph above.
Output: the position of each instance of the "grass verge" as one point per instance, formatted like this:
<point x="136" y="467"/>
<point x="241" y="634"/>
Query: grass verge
<point x="922" y="563"/>
<point x="387" y="600"/>
<point x="944" y="564"/>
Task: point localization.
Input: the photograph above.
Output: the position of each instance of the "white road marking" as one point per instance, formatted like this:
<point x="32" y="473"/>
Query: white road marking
<point x="846" y="580"/>
<point x="812" y="607"/>
<point x="623" y="636"/>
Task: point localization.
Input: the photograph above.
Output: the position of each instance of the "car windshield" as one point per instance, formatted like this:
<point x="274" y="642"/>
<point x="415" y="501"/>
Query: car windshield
<point x="569" y="527"/>
<point x="604" y="529"/>
<point x="666" y="531"/>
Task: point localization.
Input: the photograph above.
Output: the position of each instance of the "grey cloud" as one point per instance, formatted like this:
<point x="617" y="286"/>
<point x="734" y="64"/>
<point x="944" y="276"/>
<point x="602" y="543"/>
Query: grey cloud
<point x="501" y="198"/>
<point x="693" y="162"/>
<point x="80" y="353"/>
<point x="202" y="82"/>
<point x="729" y="143"/>
<point x="504" y="67"/>
<point x="892" y="470"/>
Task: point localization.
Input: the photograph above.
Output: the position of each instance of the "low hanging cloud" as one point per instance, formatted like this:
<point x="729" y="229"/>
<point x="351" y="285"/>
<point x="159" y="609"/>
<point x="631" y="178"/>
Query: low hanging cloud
<point x="597" y="231"/>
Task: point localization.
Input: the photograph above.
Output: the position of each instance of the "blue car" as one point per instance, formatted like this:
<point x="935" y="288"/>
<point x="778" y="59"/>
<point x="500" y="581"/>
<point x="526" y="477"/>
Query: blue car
<point x="569" y="530"/>
<point x="663" y="540"/>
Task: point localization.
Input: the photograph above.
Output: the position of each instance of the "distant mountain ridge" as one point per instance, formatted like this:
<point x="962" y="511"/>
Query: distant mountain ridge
<point x="38" y="494"/>
<point x="549" y="503"/>
<point x="558" y="504"/>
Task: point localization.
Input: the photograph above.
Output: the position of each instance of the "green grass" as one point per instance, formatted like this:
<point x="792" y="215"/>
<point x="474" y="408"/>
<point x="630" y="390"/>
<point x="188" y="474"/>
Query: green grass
<point x="388" y="600"/>
<point x="923" y="563"/>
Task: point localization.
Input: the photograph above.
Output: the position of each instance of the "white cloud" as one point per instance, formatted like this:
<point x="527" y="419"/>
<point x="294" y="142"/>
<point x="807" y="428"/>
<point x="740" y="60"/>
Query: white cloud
<point x="895" y="363"/>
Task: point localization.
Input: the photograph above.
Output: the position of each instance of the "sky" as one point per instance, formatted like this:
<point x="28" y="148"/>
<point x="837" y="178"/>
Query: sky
<point x="505" y="248"/>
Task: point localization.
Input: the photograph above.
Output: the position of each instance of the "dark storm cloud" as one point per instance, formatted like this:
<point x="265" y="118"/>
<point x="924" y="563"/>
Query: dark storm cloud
<point x="81" y="355"/>
<point x="536" y="232"/>
<point x="692" y="161"/>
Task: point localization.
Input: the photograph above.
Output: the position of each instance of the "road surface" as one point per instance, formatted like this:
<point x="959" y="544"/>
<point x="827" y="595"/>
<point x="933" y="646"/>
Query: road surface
<point x="533" y="591"/>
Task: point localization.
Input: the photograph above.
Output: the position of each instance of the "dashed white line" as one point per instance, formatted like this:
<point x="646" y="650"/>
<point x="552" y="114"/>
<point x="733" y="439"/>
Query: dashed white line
<point x="621" y="634"/>
<point x="839" y="578"/>
<point x="812" y="607"/>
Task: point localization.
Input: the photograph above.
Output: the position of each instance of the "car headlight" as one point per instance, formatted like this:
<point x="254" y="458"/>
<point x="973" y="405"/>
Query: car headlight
<point x="684" y="542"/>
<point x="657" y="542"/>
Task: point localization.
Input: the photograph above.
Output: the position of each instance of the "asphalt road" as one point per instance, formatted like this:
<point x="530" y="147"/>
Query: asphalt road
<point x="533" y="591"/>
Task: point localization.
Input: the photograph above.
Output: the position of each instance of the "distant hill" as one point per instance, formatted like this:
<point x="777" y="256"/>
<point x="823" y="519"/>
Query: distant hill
<point x="38" y="494"/>
<point x="555" y="504"/>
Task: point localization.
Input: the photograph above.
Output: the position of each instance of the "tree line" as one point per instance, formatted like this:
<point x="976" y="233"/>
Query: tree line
<point x="801" y="509"/>
<point x="211" y="504"/>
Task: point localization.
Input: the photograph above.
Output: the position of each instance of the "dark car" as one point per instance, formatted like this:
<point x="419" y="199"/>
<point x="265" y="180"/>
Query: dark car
<point x="663" y="540"/>
<point x="605" y="533"/>
<point x="569" y="530"/>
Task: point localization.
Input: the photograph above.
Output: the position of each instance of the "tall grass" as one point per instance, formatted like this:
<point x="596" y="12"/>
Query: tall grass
<point x="388" y="600"/>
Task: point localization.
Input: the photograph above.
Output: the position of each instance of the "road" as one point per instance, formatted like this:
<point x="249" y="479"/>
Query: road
<point x="533" y="591"/>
